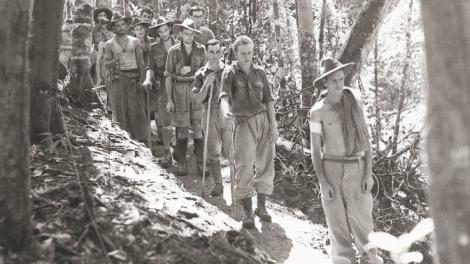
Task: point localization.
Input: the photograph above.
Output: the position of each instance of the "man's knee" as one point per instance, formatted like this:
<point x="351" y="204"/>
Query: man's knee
<point x="181" y="132"/>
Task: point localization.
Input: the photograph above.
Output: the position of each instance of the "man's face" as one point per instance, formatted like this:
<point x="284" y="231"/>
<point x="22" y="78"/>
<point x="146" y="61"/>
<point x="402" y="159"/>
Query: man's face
<point x="101" y="15"/>
<point x="107" y="34"/>
<point x="120" y="27"/>
<point x="197" y="17"/>
<point x="139" y="31"/>
<point x="164" y="32"/>
<point x="188" y="36"/>
<point x="147" y="17"/>
<point x="335" y="82"/>
<point x="214" y="53"/>
<point x="244" y="54"/>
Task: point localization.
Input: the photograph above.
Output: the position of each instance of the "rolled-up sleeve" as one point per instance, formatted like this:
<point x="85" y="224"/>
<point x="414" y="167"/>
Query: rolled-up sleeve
<point x="170" y="65"/>
<point x="267" y="90"/>
<point x="227" y="80"/>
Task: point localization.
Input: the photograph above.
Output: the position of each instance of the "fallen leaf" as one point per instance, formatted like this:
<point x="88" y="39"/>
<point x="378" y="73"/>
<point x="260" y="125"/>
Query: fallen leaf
<point x="118" y="254"/>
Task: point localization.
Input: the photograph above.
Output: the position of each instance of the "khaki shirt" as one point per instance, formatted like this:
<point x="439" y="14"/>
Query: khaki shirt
<point x="157" y="59"/>
<point x="248" y="94"/>
<point x="200" y="78"/>
<point x="175" y="60"/>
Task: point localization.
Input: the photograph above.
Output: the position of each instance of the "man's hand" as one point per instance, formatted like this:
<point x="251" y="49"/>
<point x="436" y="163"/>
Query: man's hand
<point x="274" y="134"/>
<point x="170" y="107"/>
<point x="185" y="70"/>
<point x="147" y="84"/>
<point x="367" y="182"/>
<point x="328" y="190"/>
<point x="111" y="64"/>
<point x="210" y="79"/>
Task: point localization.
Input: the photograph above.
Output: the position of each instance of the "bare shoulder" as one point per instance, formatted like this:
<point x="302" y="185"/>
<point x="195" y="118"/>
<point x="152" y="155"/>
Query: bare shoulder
<point x="317" y="110"/>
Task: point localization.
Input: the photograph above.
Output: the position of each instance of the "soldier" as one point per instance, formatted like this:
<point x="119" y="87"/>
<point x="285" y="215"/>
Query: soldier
<point x="220" y="130"/>
<point x="196" y="14"/>
<point x="343" y="164"/>
<point x="123" y="57"/>
<point x="155" y="71"/>
<point x="184" y="59"/>
<point x="246" y="96"/>
<point x="147" y="15"/>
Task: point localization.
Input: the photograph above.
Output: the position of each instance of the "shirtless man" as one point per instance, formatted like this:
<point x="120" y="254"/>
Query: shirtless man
<point x="343" y="164"/>
<point x="123" y="58"/>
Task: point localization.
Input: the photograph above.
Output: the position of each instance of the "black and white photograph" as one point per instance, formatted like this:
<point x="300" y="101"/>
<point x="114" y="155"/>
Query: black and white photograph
<point x="234" y="132"/>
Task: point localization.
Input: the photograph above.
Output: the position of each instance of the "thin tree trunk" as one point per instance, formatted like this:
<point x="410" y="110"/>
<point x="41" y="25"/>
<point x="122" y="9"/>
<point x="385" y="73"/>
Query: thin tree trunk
<point x="363" y="34"/>
<point x="307" y="50"/>
<point x="321" y="35"/>
<point x="45" y="117"/>
<point x="448" y="125"/>
<point x="277" y="34"/>
<point x="378" y="121"/>
<point x="15" y="218"/>
<point x="405" y="72"/>
<point x="80" y="64"/>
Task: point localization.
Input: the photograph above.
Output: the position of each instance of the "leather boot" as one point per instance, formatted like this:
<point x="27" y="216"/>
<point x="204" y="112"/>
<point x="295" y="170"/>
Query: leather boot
<point x="199" y="153"/>
<point x="180" y="149"/>
<point x="216" y="174"/>
<point x="166" y="161"/>
<point x="180" y="156"/>
<point x="249" y="220"/>
<point x="261" y="211"/>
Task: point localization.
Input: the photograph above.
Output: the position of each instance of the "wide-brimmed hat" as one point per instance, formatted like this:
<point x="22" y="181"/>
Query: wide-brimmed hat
<point x="161" y="21"/>
<point x="137" y="21"/>
<point x="117" y="17"/>
<point x="329" y="66"/>
<point x="97" y="11"/>
<point x="187" y="24"/>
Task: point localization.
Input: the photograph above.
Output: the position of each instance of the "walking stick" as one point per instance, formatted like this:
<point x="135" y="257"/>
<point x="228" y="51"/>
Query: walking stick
<point x="206" y="136"/>
<point x="149" y="136"/>
<point x="232" y="181"/>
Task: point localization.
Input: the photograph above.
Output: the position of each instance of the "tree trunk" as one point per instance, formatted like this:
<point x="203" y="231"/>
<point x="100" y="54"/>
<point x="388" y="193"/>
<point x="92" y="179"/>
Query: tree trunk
<point x="307" y="50"/>
<point x="45" y="114"/>
<point x="447" y="31"/>
<point x="362" y="35"/>
<point x="15" y="219"/>
<point x="277" y="34"/>
<point x="321" y="34"/>
<point x="378" y="121"/>
<point x="80" y="65"/>
<point x="401" y="93"/>
<point x="103" y="3"/>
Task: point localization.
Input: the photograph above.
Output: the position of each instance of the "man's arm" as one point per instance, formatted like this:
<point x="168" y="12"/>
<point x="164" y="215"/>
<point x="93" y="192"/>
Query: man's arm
<point x="99" y="57"/>
<point x="315" y="148"/>
<point x="109" y="60"/>
<point x="272" y="120"/>
<point x="140" y="59"/>
<point x="202" y="87"/>
<point x="169" y="71"/>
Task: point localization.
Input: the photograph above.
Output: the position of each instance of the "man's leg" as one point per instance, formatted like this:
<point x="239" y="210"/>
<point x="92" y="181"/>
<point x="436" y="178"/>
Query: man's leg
<point x="245" y="137"/>
<point x="180" y="150"/>
<point x="264" y="166"/>
<point x="196" y="126"/>
<point x="336" y="217"/>
<point x="359" y="210"/>
<point x="214" y="148"/>
<point x="138" y="122"/>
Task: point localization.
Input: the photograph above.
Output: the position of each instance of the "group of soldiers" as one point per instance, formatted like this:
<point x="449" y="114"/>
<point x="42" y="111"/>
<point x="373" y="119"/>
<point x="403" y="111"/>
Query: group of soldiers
<point x="173" y="73"/>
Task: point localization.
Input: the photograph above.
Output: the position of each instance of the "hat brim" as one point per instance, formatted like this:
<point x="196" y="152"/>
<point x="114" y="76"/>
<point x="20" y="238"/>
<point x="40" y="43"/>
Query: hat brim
<point x="152" y="31"/>
<point x="109" y="13"/>
<point x="180" y="27"/>
<point x="110" y="25"/>
<point x="145" y="24"/>
<point x="346" y="68"/>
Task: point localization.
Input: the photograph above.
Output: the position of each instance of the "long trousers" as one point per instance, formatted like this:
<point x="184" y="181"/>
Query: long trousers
<point x="253" y="148"/>
<point x="349" y="214"/>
